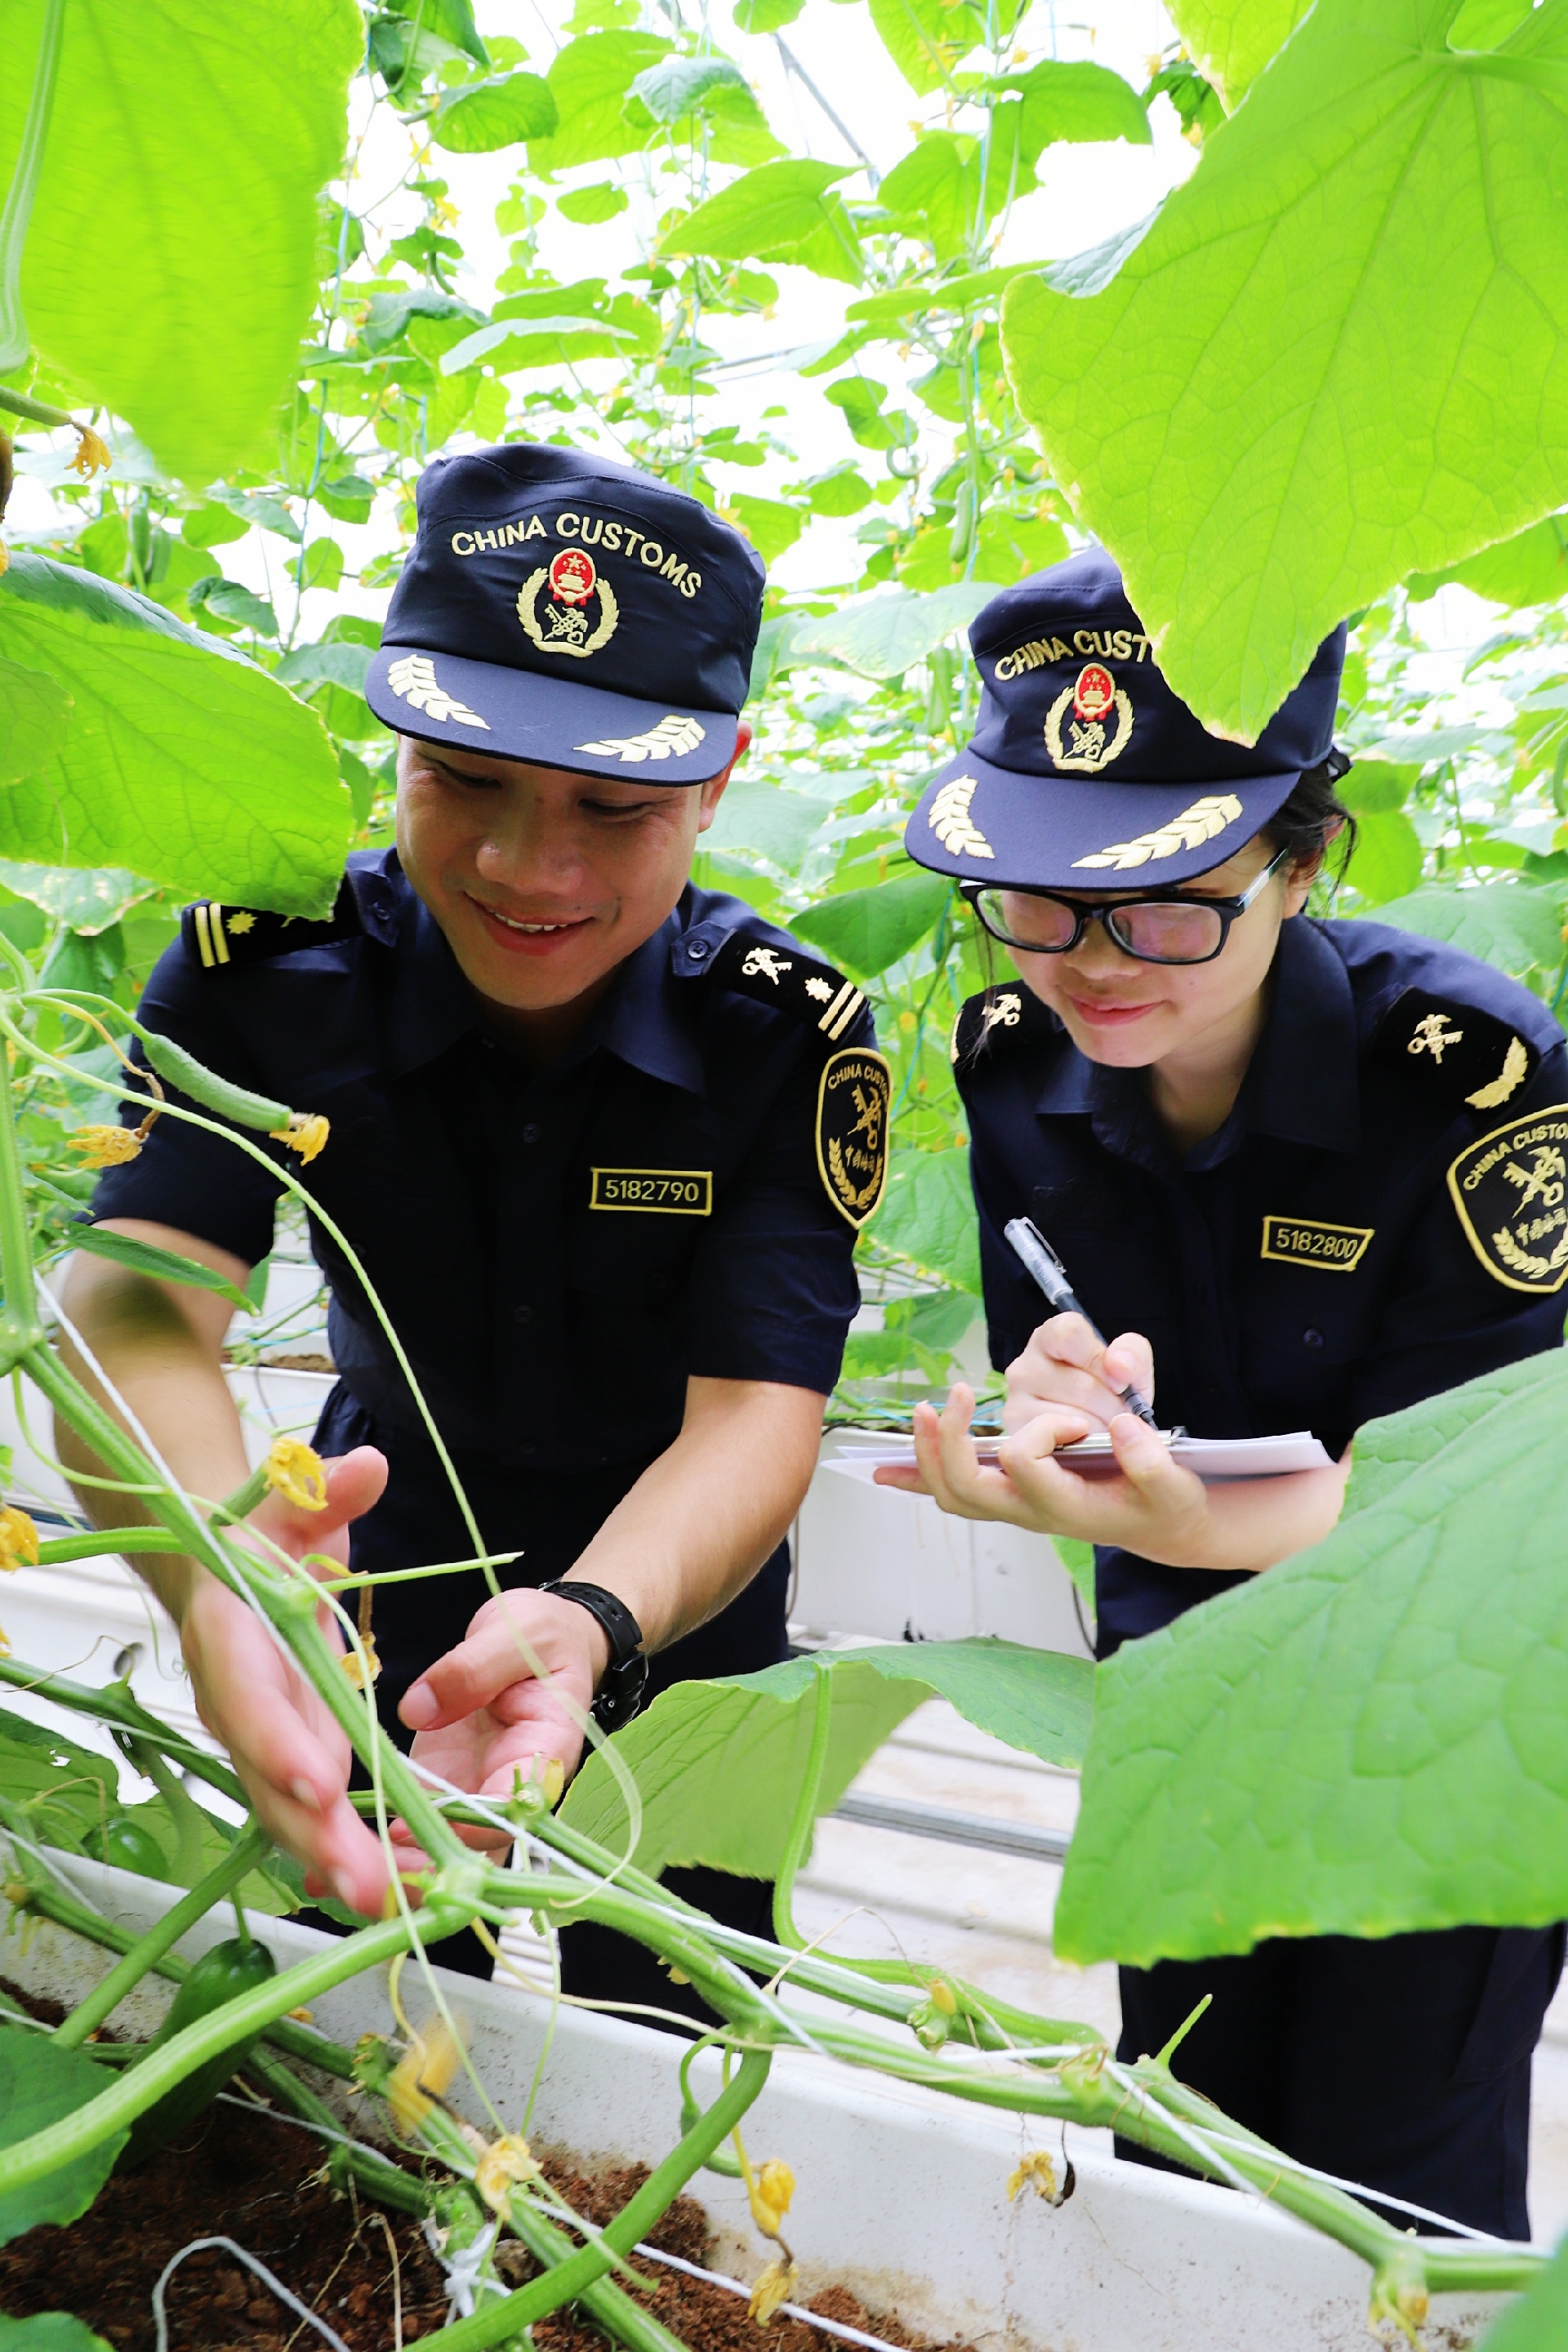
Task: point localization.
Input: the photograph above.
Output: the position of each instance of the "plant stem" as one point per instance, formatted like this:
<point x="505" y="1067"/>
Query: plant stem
<point x="20" y="1328"/>
<point x="805" y="1816"/>
<point x="36" y="412"/>
<point x="58" y="2144"/>
<point x="190" y="1821"/>
<point x="18" y="208"/>
<point x="93" y="1541"/>
<point x="501" y="2321"/>
<point x="90" y="2014"/>
<point x="115" y="1706"/>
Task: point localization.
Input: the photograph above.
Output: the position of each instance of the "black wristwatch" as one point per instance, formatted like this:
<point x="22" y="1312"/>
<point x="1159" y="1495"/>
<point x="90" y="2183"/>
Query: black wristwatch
<point x="624" y="1679"/>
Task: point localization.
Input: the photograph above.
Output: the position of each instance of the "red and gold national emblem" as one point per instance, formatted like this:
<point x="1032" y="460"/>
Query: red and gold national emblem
<point x="564" y="622"/>
<point x="572" y="576"/>
<point x="1095" y="692"/>
<point x="1098" y="715"/>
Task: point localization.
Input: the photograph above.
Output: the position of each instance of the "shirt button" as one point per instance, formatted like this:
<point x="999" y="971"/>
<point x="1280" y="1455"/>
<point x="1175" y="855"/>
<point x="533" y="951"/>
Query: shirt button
<point x="532" y="1132"/>
<point x="1313" y="1339"/>
<point x="697" y="951"/>
<point x="522" y="1313"/>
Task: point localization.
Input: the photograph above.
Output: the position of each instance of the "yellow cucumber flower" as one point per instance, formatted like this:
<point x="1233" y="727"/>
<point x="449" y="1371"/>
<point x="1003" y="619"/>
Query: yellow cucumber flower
<point x="104" y="1147"/>
<point x="91" y="453"/>
<point x="18" y="1539"/>
<point x="1034" y="2171"/>
<point x="770" y="2189"/>
<point x="297" y="1473"/>
<point x="775" y="2285"/>
<point x="306" y="1133"/>
<point x="352" y="1667"/>
<point x="422" y="2074"/>
<point x="503" y="2163"/>
<point x="4" y="1642"/>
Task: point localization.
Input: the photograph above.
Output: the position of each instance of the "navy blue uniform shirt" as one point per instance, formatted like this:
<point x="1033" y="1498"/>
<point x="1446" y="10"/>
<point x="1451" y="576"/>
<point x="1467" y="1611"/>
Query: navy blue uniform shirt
<point x="559" y="1250"/>
<point x="1381" y="1217"/>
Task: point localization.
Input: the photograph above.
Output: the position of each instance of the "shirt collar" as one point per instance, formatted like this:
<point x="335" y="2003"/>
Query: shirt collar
<point x="1301" y="1087"/>
<point x="433" y="1005"/>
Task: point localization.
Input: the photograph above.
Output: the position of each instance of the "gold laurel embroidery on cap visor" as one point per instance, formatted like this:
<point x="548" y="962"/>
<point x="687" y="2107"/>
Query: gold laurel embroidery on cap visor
<point x="672" y="738"/>
<point x="1515" y="1068"/>
<point x="560" y="640"/>
<point x="413" y="679"/>
<point x="951" y="822"/>
<point x="1091" y="748"/>
<point x="1190" y="830"/>
<point x="852" y="1100"/>
<point x="1510" y="1191"/>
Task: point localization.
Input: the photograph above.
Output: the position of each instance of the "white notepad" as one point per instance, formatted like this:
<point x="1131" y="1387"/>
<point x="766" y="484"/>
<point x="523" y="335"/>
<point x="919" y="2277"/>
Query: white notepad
<point x="861" y="1452"/>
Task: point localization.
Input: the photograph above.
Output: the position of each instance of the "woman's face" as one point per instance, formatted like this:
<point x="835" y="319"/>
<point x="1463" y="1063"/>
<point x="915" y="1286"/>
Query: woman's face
<point x="1131" y="1014"/>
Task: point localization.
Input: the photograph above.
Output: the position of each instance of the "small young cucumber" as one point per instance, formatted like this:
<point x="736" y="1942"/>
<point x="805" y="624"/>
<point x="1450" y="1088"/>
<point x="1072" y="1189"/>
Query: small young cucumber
<point x="220" y="1976"/>
<point x="129" y="1844"/>
<point x="216" y="1094"/>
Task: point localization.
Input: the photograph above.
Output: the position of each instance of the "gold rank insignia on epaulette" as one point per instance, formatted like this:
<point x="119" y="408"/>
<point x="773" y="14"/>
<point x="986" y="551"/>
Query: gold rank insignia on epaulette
<point x="986" y="1020"/>
<point x="1469" y="1055"/>
<point x="218" y="935"/>
<point x="791" y="980"/>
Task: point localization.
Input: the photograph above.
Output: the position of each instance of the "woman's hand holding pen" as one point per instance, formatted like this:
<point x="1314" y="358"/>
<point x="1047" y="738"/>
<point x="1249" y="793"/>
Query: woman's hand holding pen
<point x="1155" y="1507"/>
<point x="1067" y="1363"/>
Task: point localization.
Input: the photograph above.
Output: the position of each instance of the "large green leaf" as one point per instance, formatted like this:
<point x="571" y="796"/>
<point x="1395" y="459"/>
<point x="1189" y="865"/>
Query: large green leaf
<point x="1232" y="40"/>
<point x="64" y="1791"/>
<point x="491" y="114"/>
<point x="1530" y="568"/>
<point x="1334" y="358"/>
<point x="39" y="2085"/>
<point x="772" y="823"/>
<point x="886" y="632"/>
<point x="48" y="2331"/>
<point x="1509" y="924"/>
<point x="184" y="761"/>
<point x="781" y="211"/>
<point x="170" y="265"/>
<point x="588" y="82"/>
<point x="719" y="1764"/>
<point x="35" y="718"/>
<point x="1539" y="2321"/>
<point x="1368" y="1738"/>
<point x="927" y="38"/>
<point x="866" y="930"/>
<point x="1386" y="861"/>
<point x="927" y="1215"/>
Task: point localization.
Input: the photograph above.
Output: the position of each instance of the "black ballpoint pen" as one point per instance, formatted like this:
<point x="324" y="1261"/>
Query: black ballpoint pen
<point x="1037" y="1254"/>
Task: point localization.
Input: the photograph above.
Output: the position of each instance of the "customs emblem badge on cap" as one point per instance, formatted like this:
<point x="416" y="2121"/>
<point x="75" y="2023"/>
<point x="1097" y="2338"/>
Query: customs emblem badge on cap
<point x="562" y="627"/>
<point x="1093" y="697"/>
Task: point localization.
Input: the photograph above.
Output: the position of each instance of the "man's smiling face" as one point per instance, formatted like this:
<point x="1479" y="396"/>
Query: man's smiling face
<point x="543" y="881"/>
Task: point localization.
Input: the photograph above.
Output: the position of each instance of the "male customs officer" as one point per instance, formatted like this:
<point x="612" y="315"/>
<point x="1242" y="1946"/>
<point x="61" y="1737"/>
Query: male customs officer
<point x="601" y="1140"/>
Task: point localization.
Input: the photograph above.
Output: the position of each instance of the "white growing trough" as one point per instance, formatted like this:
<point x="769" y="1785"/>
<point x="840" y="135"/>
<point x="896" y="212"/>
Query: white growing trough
<point x="900" y="2194"/>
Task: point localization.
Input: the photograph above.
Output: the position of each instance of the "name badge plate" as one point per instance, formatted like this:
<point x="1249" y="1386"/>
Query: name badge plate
<point x="1304" y="1241"/>
<point x="657" y="1192"/>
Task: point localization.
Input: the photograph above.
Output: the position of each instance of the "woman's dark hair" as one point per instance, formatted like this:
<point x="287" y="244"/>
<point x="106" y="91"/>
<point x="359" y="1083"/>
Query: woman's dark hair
<point x="1314" y="816"/>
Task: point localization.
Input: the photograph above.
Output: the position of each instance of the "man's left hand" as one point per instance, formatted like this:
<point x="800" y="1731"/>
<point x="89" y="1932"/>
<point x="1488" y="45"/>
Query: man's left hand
<point x="482" y="1713"/>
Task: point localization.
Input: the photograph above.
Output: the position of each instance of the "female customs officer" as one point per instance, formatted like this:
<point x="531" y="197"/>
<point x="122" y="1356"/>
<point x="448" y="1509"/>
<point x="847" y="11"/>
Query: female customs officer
<point x="602" y="1142"/>
<point x="1312" y="1173"/>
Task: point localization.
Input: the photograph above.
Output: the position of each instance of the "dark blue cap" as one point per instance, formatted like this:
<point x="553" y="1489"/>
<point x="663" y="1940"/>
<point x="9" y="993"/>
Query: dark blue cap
<point x="1087" y="771"/>
<point x="565" y="610"/>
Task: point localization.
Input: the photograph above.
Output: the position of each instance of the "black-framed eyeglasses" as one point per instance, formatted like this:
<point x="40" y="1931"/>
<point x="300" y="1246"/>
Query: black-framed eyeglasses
<point x="1164" y="928"/>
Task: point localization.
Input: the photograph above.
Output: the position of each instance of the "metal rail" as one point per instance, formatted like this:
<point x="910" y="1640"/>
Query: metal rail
<point x="955" y="1829"/>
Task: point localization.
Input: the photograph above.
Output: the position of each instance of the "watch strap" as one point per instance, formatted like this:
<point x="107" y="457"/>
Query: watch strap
<point x="621" y="1685"/>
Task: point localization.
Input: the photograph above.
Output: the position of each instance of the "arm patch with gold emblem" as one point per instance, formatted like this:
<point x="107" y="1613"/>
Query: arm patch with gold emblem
<point x="1471" y="1056"/>
<point x="1510" y="1189"/>
<point x="853" y="1101"/>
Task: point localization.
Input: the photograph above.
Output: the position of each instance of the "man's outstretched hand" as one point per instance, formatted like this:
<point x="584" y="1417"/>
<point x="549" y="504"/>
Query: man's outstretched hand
<point x="481" y="1715"/>
<point x="288" y="1750"/>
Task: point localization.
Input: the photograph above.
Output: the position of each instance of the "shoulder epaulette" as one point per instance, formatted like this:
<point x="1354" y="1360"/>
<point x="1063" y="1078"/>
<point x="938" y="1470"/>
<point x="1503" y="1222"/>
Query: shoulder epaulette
<point x="216" y="935"/>
<point x="1471" y="1057"/>
<point x="1000" y="1014"/>
<point x="784" y="975"/>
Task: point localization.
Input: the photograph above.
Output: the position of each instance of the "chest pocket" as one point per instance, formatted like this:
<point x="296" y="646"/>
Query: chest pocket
<point x="635" y="1226"/>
